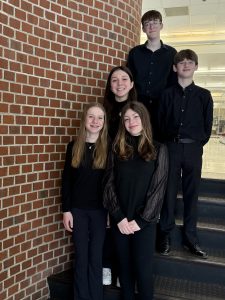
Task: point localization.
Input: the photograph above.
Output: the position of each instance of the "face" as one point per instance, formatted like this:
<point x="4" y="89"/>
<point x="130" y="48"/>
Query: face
<point x="94" y="120"/>
<point x="152" y="28"/>
<point x="132" y="122"/>
<point x="185" y="68"/>
<point x="121" y="85"/>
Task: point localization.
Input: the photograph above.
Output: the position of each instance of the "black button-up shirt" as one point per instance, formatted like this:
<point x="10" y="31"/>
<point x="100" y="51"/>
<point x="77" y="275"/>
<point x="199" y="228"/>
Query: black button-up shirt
<point x="152" y="71"/>
<point x="186" y="113"/>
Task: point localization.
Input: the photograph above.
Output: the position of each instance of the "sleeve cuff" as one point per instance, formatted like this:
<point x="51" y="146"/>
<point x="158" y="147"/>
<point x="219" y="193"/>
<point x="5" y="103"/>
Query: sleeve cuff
<point x="118" y="216"/>
<point x="141" y="222"/>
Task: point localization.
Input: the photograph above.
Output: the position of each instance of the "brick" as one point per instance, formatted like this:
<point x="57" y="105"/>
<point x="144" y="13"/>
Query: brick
<point x="54" y="58"/>
<point x="9" y="282"/>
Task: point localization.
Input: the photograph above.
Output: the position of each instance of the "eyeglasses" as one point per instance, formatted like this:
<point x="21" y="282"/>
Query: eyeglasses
<point x="152" y="23"/>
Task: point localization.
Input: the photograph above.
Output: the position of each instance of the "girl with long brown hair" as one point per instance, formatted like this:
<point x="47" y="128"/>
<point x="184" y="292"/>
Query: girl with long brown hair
<point x="134" y="187"/>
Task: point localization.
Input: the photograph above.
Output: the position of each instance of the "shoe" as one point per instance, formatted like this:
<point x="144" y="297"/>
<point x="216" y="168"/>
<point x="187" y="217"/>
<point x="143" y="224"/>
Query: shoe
<point x="196" y="250"/>
<point x="106" y="276"/>
<point x="164" y="245"/>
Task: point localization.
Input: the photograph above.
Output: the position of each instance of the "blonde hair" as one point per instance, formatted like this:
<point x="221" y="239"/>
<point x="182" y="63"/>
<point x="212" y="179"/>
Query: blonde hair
<point x="100" y="147"/>
<point x="146" y="147"/>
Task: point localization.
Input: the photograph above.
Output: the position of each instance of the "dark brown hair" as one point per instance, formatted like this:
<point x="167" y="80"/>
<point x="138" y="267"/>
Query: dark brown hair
<point x="121" y="144"/>
<point x="185" y="54"/>
<point x="151" y="15"/>
<point x="109" y="97"/>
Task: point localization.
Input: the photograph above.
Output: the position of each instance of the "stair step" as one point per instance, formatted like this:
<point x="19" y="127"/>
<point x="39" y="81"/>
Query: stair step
<point x="207" y="208"/>
<point x="212" y="187"/>
<point x="209" y="236"/>
<point x="183" y="265"/>
<point x="215" y="256"/>
<point x="166" y="288"/>
<point x="180" y="275"/>
<point x="169" y="288"/>
<point x="210" y="223"/>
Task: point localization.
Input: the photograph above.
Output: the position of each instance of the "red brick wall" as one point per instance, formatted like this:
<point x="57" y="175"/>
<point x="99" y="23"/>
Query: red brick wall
<point x="54" y="56"/>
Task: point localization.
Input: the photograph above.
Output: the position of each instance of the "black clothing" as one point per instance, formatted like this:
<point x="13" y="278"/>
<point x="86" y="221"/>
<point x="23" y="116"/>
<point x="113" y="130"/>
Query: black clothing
<point x="147" y="209"/>
<point x="135" y="255"/>
<point x="114" y="118"/>
<point x="89" y="229"/>
<point x="134" y="189"/>
<point x="188" y="159"/>
<point x="186" y="113"/>
<point x="82" y="196"/>
<point x="152" y="72"/>
<point x="82" y="186"/>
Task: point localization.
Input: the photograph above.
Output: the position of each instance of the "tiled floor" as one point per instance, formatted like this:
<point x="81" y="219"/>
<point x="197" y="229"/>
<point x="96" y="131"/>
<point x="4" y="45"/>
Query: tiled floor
<point x="214" y="159"/>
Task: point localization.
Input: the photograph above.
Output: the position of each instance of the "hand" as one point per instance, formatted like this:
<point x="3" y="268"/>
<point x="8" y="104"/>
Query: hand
<point x="124" y="227"/>
<point x="68" y="221"/>
<point x="134" y="226"/>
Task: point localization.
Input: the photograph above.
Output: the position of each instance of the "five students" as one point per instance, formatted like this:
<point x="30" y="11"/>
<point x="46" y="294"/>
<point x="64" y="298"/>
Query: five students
<point x="130" y="180"/>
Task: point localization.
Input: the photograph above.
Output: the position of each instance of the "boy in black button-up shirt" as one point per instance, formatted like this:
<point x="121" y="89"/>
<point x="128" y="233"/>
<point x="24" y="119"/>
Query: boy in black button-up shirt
<point x="152" y="65"/>
<point x="185" y="120"/>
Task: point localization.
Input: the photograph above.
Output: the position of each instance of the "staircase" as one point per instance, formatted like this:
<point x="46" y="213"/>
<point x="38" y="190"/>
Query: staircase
<point x="180" y="275"/>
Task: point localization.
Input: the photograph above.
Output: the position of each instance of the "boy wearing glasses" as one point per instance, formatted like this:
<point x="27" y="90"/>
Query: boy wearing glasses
<point x="152" y="65"/>
<point x="185" y="118"/>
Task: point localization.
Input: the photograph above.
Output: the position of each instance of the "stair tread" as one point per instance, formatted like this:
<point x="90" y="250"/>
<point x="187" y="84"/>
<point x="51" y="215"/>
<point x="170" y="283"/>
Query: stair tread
<point x="166" y="288"/>
<point x="174" y="288"/>
<point x="215" y="256"/>
<point x="204" y="198"/>
<point x="207" y="223"/>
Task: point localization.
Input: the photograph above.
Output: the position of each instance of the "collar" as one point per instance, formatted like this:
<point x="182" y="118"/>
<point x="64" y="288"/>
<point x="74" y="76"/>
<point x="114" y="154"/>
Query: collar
<point x="190" y="87"/>
<point x="164" y="46"/>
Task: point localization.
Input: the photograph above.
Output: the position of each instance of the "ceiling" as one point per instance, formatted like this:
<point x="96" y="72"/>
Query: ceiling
<point x="200" y="26"/>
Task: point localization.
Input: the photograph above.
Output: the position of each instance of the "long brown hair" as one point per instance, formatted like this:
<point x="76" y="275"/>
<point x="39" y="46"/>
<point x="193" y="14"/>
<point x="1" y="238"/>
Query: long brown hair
<point x="146" y="147"/>
<point x="109" y="97"/>
<point x="101" y="145"/>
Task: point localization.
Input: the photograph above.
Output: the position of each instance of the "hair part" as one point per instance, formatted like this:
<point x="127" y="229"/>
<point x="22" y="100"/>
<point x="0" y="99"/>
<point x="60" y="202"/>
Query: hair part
<point x="101" y="145"/>
<point x="151" y="15"/>
<point x="185" y="54"/>
<point x="121" y="144"/>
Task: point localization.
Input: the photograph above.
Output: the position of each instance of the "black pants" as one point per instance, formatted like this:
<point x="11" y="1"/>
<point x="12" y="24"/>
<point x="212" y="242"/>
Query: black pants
<point x="185" y="163"/>
<point x="88" y="236"/>
<point x="135" y="256"/>
<point x="152" y="105"/>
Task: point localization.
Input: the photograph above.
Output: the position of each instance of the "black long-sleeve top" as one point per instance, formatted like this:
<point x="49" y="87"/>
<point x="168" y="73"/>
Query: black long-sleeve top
<point x="134" y="189"/>
<point x="152" y="71"/>
<point x="186" y="113"/>
<point x="82" y="186"/>
<point x="114" y="118"/>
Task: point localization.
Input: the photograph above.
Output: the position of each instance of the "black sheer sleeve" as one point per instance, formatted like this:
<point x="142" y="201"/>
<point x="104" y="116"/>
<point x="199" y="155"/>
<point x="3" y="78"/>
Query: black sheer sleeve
<point x="110" y="199"/>
<point x="157" y="188"/>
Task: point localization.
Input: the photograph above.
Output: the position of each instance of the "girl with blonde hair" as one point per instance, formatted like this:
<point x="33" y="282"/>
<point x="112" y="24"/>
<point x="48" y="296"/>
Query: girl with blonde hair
<point x="83" y="212"/>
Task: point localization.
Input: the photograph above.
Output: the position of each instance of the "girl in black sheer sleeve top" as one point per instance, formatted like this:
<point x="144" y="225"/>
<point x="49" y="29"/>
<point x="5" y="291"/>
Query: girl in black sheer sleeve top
<point x="134" y="187"/>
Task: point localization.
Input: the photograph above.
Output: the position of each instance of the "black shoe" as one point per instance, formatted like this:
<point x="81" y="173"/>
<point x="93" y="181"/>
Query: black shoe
<point x="164" y="245"/>
<point x="196" y="250"/>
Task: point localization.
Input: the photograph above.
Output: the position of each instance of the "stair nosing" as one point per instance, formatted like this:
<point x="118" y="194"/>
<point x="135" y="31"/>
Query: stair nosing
<point x="189" y="258"/>
<point x="204" y="226"/>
